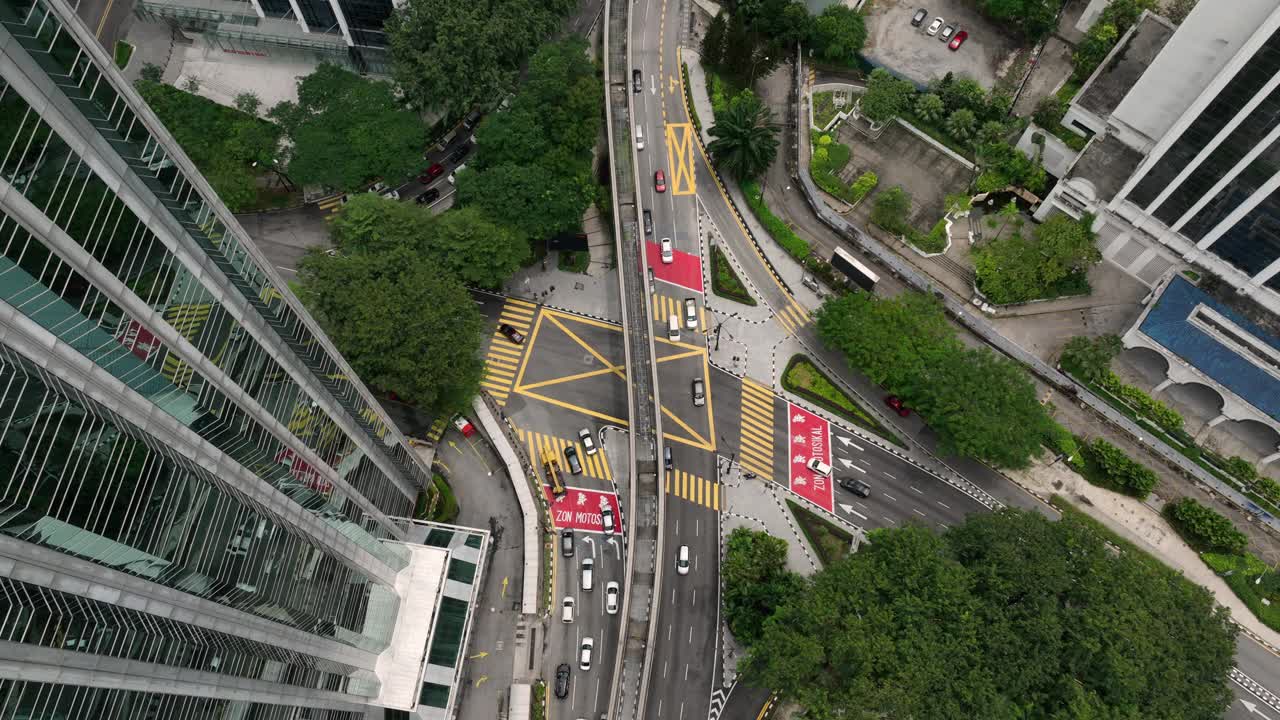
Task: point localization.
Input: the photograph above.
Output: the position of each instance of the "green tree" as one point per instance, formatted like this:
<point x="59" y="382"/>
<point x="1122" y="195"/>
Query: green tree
<point x="1090" y="358"/>
<point x="756" y="581"/>
<point x="964" y="93"/>
<point x="1036" y="18"/>
<point x="839" y="34"/>
<point x="1007" y="615"/>
<point x="1004" y="165"/>
<point x="536" y="203"/>
<point x="1241" y="468"/>
<point x="1007" y="214"/>
<point x="1049" y="111"/>
<point x="1178" y="10"/>
<point x="891" y="209"/>
<point x="930" y="108"/>
<point x="1093" y="49"/>
<point x="1015" y="269"/>
<point x="151" y="72"/>
<point x="403" y="323"/>
<point x="746" y="138"/>
<point x="886" y="97"/>
<point x="1204" y="528"/>
<point x="996" y="106"/>
<point x="248" y="103"/>
<point x="991" y="131"/>
<point x="713" y="40"/>
<point x="893" y="341"/>
<point x="347" y="130"/>
<point x="962" y="125"/>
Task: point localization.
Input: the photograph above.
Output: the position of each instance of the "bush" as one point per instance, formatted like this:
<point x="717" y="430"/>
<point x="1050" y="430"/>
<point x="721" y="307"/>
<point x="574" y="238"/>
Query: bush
<point x="719" y="91"/>
<point x="891" y="208"/>
<point x="779" y="230"/>
<point x="933" y="242"/>
<point x="1107" y="466"/>
<point x="863" y="186"/>
<point x="1164" y="416"/>
<point x="1252" y="581"/>
<point x="1060" y="440"/>
<point x="830" y="541"/>
<point x="824" y="108"/>
<point x="725" y="282"/>
<point x="1204" y="528"/>
<point x="805" y="379"/>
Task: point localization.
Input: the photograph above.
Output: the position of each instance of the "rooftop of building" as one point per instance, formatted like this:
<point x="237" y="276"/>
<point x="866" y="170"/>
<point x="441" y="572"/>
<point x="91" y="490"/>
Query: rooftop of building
<point x="1219" y="342"/>
<point x="1126" y="63"/>
<point x="1106" y="163"/>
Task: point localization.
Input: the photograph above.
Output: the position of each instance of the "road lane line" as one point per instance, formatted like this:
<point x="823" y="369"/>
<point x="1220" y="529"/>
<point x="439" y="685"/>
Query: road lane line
<point x="944" y="505"/>
<point x="918" y="512"/>
<point x="889" y="476"/>
<point x="913" y="487"/>
<point x="890" y="497"/>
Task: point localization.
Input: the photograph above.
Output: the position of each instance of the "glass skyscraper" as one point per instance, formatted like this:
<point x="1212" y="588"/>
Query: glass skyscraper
<point x="197" y="498"/>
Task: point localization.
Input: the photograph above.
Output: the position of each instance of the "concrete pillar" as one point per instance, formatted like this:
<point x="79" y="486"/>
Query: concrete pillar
<point x="1209" y="426"/>
<point x="1271" y="458"/>
<point x="1167" y="382"/>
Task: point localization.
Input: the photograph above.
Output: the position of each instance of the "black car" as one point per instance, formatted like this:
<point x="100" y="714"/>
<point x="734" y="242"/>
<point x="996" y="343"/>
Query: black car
<point x="571" y="457"/>
<point x="430" y="196"/>
<point x="511" y="334"/>
<point x="919" y="17"/>
<point x="648" y="222"/>
<point x="636" y="84"/>
<point x="566" y="543"/>
<point x="857" y="487"/>
<point x="562" y="681"/>
<point x="457" y="154"/>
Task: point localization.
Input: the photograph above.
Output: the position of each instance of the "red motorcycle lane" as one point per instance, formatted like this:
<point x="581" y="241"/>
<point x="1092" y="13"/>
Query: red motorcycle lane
<point x="579" y="509"/>
<point x="684" y="269"/>
<point x="810" y="437"/>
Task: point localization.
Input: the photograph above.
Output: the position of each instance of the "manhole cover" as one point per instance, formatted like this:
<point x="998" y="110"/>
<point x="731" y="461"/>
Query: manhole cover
<point x="578" y="286"/>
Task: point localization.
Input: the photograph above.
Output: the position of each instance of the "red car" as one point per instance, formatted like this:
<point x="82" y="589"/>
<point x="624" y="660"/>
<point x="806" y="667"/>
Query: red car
<point x="660" y="181"/>
<point x="433" y="172"/>
<point x="895" y="402"/>
<point x="958" y="40"/>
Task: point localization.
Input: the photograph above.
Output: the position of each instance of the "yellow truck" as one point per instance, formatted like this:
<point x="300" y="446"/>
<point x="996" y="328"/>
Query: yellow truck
<point x="551" y="466"/>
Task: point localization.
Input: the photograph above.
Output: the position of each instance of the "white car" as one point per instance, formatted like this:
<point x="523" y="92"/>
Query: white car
<point x="611" y="594"/>
<point x="668" y="254"/>
<point x="935" y="26"/>
<point x="682" y="560"/>
<point x="566" y="610"/>
<point x="382" y="189"/>
<point x="691" y="313"/>
<point x="819" y="467"/>
<point x="606" y="515"/>
<point x="584" y="658"/>
<point x="588" y="442"/>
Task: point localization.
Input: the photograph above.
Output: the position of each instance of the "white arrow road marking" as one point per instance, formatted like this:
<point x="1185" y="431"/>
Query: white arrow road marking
<point x="1253" y="709"/>
<point x="849" y="509"/>
<point x="653" y="85"/>
<point x="592" y="543"/>
<point x="616" y="547"/>
<point x="847" y="442"/>
<point x="849" y="464"/>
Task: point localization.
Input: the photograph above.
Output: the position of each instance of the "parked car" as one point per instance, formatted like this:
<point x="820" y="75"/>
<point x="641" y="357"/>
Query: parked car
<point x="659" y="181"/>
<point x="566" y="542"/>
<point x="818" y="467"/>
<point x="430" y="196"/>
<point x="935" y="26"/>
<point x="459" y="153"/>
<point x="611" y="595"/>
<point x="958" y="40"/>
<point x="857" y="487"/>
<point x="895" y="402"/>
<point x="946" y="33"/>
<point x="431" y="173"/>
<point x="588" y="441"/>
<point x="637" y="83"/>
<point x="571" y="457"/>
<point x="464" y="426"/>
<point x="919" y="17"/>
<point x="511" y="334"/>
<point x="699" y="393"/>
<point x="690" y="314"/>
<point x="668" y="255"/>
<point x="562" y="681"/>
<point x="382" y="189"/>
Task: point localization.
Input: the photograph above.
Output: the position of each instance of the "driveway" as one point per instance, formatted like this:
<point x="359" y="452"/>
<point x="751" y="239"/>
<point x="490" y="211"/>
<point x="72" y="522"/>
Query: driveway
<point x="908" y="51"/>
<point x="898" y="157"/>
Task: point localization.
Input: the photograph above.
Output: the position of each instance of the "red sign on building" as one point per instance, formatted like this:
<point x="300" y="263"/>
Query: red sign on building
<point x="810" y="438"/>
<point x="581" y="509"/>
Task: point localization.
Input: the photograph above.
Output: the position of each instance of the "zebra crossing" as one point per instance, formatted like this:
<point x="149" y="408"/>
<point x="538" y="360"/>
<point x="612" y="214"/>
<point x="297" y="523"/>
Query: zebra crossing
<point x="755" y="452"/>
<point x="594" y="465"/>
<point x="792" y="317"/>
<point x="665" y="306"/>
<point x="696" y="490"/>
<point x="331" y="205"/>
<point x="502" y="361"/>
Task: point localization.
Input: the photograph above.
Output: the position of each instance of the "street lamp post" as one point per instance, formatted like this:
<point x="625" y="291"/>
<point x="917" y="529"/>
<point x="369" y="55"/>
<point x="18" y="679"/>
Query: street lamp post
<point x="752" y="80"/>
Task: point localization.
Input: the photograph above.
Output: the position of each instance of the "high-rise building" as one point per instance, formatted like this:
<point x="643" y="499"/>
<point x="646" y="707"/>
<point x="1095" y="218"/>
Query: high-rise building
<point x="1185" y="162"/>
<point x="201" y="508"/>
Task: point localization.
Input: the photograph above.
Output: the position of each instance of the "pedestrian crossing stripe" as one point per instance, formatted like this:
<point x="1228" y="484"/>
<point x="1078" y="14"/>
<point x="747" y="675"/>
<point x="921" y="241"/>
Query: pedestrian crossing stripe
<point x="696" y="490"/>
<point x="332" y="204"/>
<point x="792" y="318"/>
<point x="664" y="307"/>
<point x="756" y="429"/>
<point x="594" y="465"/>
<point x="503" y="356"/>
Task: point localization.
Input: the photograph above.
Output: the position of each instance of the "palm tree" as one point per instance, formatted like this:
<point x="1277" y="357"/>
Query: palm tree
<point x="745" y="137"/>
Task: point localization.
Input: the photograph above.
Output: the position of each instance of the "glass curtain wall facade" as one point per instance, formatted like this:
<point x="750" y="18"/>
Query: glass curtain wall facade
<point x="170" y="423"/>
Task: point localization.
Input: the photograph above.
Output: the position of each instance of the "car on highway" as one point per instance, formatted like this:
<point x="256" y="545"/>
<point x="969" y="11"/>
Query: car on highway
<point x="637" y="81"/>
<point x="571" y="457"/>
<point x="431" y="173"/>
<point x="566" y="610"/>
<point x="919" y="17"/>
<point x="935" y="26"/>
<point x="946" y="33"/>
<point x="511" y="333"/>
<point x="958" y="40"/>
<point x="818" y="467"/>
<point x="611" y="595"/>
<point x="588" y="568"/>
<point x="690" y="314"/>
<point x="659" y="181"/>
<point x="895" y="402"/>
<point x="464" y="425"/>
<point x="562" y="681"/>
<point x="668" y="253"/>
<point x="588" y="441"/>
<point x="430" y="196"/>
<point x="648" y="222"/>
<point x="566" y="542"/>
<point x="606" y="515"/>
<point x="857" y="487"/>
<point x="699" y="393"/>
<point x="458" y="153"/>
<point x="666" y="457"/>
<point x="682" y="560"/>
<point x="584" y="656"/>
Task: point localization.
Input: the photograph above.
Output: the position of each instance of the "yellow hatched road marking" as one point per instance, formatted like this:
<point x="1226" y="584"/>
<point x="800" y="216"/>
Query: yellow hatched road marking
<point x="680" y="158"/>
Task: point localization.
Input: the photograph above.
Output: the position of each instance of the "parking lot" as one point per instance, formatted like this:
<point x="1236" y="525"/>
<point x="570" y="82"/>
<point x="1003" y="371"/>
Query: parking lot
<point x="911" y="53"/>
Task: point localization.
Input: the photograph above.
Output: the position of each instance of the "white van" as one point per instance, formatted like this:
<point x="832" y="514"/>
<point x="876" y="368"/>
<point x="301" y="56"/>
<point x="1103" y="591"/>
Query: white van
<point x="453" y="176"/>
<point x="566" y="611"/>
<point x="639" y="138"/>
<point x="587" y="565"/>
<point x="673" y="328"/>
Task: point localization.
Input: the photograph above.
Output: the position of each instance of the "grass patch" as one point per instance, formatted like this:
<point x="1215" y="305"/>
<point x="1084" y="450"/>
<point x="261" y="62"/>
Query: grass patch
<point x="123" y="52"/>
<point x="1252" y="581"/>
<point x="805" y="379"/>
<point x="824" y="108"/>
<point x="830" y="541"/>
<point x="725" y="282"/>
<point x="1191" y="275"/>
<point x="688" y="99"/>
<point x="1070" y="139"/>
<point x="438" y="503"/>
<point x="827" y="160"/>
<point x="778" y="229"/>
<point x="934" y="241"/>
<point x="574" y="261"/>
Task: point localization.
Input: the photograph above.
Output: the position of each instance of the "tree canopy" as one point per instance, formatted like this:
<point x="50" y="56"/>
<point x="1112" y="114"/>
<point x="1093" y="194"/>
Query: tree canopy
<point x="981" y="405"/>
<point x="1016" y="269"/>
<point x="839" y="34"/>
<point x="451" y="56"/>
<point x="886" y="96"/>
<point x="1007" y="616"/>
<point x="1035" y="18"/>
<point x="1090" y="358"/>
<point x="347" y="130"/>
<point x="755" y="581"/>
<point x="746" y="138"/>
